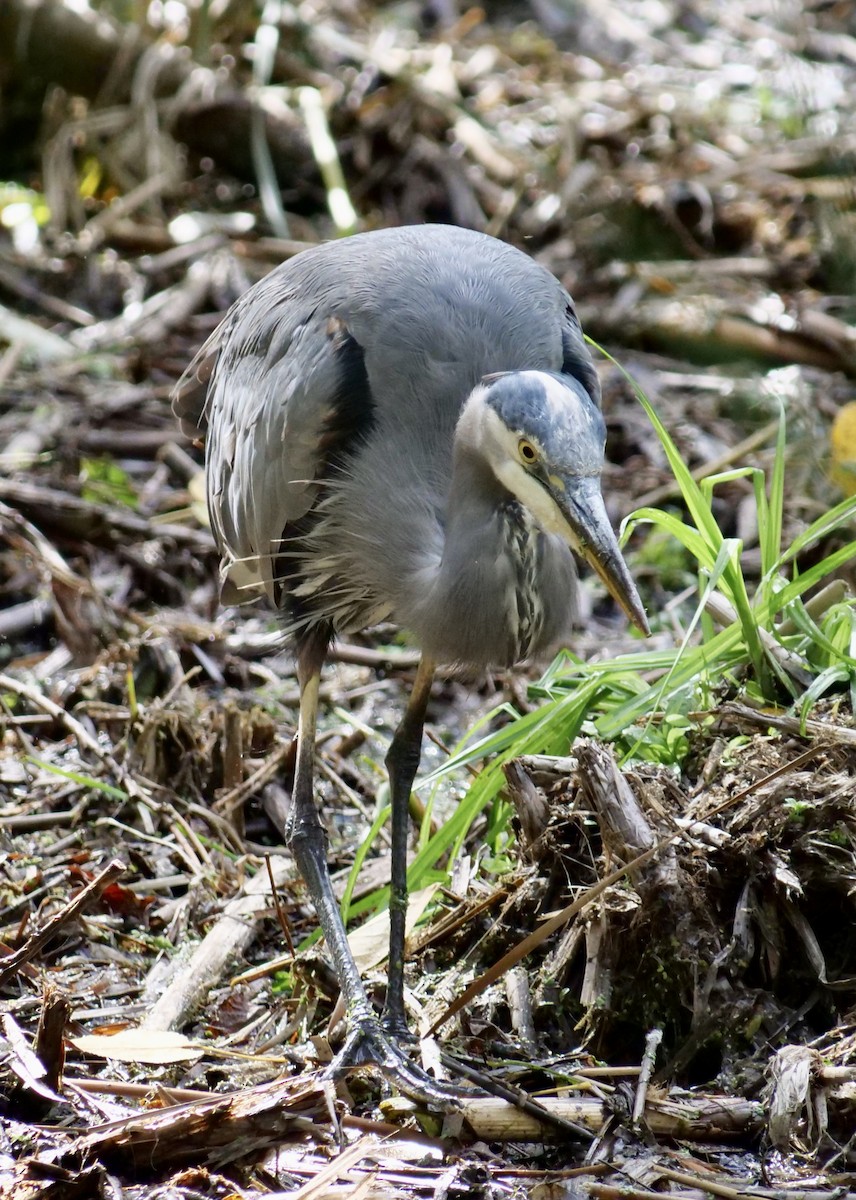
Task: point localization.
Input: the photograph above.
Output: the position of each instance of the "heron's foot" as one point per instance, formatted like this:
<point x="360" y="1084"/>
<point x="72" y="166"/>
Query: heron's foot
<point x="397" y="1029"/>
<point x="368" y="1043"/>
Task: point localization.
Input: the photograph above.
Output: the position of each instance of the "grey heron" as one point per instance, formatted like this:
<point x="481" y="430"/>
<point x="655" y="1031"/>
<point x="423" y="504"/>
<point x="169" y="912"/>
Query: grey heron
<point x="402" y="425"/>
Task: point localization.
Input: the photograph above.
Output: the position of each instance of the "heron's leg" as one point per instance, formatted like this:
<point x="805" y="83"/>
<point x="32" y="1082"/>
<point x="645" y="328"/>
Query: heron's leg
<point x="402" y="762"/>
<point x="307" y="840"/>
<point x="367" y="1040"/>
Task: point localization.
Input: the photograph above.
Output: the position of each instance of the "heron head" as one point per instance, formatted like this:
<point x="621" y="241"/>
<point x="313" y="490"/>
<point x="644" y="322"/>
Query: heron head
<point x="543" y="437"/>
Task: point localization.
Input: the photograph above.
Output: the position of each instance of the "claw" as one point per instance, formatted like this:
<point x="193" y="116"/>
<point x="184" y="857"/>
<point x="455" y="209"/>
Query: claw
<point x="369" y="1044"/>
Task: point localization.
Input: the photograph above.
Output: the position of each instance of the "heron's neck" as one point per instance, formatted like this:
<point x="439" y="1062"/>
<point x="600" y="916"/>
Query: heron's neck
<point x="481" y="606"/>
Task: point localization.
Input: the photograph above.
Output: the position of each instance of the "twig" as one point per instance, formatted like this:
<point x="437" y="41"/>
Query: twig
<point x="43" y="345"/>
<point x="235" y="797"/>
<point x="830" y="734"/>
<point x="231" y="934"/>
<point x="734" y="454"/>
<point x="277" y="904"/>
<point x="100" y="523"/>
<point x="13" y="962"/>
<point x="652" y="1042"/>
<point x="514" y="1095"/>
<point x="24" y="618"/>
<point x="520" y="1008"/>
<point x="80" y="732"/>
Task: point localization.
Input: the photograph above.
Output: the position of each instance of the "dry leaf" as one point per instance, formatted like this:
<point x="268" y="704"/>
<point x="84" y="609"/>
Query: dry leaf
<point x="370" y="943"/>
<point x="140" y="1046"/>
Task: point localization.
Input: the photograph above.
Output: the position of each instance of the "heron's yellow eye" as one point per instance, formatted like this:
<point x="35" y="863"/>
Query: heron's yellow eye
<point x="527" y="452"/>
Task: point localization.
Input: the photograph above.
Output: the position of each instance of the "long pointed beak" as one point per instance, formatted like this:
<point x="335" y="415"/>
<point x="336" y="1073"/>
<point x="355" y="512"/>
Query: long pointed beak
<point x="590" y="534"/>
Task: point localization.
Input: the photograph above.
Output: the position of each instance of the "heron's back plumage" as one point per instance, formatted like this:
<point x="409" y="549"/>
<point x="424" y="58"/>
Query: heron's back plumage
<point x="333" y="389"/>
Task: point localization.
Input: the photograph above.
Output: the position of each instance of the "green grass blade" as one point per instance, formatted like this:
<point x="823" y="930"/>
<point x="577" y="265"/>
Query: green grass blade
<point x="839" y="516"/>
<point x="702" y="551"/>
<point x="809" y="578"/>
<point x="693" y="497"/>
<point x="770" y="531"/>
<point x="359" y="858"/>
<point x="87" y="781"/>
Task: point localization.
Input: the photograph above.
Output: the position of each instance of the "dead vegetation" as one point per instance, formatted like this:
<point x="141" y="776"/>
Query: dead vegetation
<point x="657" y="980"/>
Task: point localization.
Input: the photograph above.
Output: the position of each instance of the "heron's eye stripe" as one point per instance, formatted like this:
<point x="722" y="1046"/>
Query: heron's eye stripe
<point x="527" y="452"/>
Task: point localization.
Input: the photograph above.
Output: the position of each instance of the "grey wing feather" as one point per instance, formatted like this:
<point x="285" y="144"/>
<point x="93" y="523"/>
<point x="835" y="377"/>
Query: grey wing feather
<point x="271" y="376"/>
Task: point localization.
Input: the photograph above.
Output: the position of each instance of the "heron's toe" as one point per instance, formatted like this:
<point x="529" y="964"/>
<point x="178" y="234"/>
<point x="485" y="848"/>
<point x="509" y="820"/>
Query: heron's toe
<point x="368" y="1044"/>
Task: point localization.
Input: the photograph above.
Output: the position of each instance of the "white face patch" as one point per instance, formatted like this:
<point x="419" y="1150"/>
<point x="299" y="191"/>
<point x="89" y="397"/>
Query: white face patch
<point x="499" y="445"/>
<point x="535" y="499"/>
